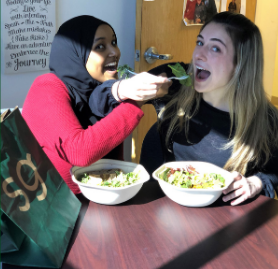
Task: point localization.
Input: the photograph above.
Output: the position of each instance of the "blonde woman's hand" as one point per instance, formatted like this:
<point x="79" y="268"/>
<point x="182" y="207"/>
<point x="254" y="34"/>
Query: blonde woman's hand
<point x="141" y="87"/>
<point x="242" y="188"/>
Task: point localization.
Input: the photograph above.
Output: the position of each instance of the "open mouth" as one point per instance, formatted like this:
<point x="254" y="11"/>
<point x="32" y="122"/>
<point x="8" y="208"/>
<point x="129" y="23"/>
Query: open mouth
<point x="201" y="73"/>
<point x="112" y="67"/>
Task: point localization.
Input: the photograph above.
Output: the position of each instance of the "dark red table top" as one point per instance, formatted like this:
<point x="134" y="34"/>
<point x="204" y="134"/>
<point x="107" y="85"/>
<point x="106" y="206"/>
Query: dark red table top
<point x="152" y="231"/>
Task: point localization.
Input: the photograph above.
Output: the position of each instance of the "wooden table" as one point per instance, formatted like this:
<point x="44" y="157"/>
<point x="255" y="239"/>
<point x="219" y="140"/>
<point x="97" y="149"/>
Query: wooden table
<point x="152" y="231"/>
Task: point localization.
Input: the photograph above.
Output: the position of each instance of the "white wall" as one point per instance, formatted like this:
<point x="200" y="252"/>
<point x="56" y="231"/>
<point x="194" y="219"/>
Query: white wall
<point x="119" y="13"/>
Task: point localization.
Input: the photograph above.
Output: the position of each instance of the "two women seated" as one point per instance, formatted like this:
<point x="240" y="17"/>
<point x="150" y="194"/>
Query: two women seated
<point x="223" y="118"/>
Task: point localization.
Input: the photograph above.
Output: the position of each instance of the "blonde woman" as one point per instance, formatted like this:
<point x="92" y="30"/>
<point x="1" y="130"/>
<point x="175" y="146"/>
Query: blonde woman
<point x="225" y="117"/>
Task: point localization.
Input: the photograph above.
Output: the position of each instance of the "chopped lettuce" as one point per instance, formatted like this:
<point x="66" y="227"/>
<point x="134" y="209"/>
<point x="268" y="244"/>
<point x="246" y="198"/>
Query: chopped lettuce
<point x="120" y="180"/>
<point x="190" y="178"/>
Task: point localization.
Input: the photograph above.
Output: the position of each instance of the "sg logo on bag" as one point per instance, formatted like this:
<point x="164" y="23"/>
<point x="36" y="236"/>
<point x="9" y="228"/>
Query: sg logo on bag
<point x="34" y="187"/>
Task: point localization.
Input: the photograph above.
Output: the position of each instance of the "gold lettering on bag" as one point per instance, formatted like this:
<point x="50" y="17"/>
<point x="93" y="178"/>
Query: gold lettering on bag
<point x="16" y="193"/>
<point x="38" y="179"/>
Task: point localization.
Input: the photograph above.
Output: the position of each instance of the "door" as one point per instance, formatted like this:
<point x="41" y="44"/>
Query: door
<point x="159" y="24"/>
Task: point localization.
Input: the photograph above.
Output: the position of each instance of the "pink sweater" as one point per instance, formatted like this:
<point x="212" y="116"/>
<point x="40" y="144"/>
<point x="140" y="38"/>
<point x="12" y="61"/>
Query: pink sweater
<point x="48" y="113"/>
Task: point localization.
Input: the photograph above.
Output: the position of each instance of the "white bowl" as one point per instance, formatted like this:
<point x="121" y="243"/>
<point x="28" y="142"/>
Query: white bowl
<point x="108" y="195"/>
<point x="193" y="197"/>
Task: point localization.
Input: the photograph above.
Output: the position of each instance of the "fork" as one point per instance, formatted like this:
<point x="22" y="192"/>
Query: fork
<point x="133" y="73"/>
<point x="178" y="78"/>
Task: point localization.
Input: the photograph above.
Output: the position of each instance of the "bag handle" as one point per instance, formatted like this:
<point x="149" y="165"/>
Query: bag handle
<point x="5" y="114"/>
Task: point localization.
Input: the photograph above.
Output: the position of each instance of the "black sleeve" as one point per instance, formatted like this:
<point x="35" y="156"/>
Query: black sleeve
<point x="151" y="153"/>
<point x="101" y="101"/>
<point x="203" y="16"/>
<point x="269" y="176"/>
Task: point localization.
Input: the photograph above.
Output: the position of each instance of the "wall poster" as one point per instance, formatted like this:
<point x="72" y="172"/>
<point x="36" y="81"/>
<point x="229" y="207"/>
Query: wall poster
<point x="29" y="28"/>
<point x="199" y="11"/>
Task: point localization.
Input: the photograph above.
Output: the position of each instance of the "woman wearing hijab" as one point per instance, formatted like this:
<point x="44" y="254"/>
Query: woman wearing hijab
<point x="80" y="112"/>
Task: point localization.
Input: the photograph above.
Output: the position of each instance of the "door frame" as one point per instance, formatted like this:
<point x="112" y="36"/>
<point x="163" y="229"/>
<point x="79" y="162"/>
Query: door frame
<point x="138" y="27"/>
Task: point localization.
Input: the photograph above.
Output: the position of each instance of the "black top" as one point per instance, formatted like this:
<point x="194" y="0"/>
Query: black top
<point x="209" y="131"/>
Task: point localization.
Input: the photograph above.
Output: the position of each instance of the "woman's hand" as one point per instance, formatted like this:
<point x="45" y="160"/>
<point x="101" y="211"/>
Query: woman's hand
<point x="164" y="89"/>
<point x="141" y="87"/>
<point x="242" y="188"/>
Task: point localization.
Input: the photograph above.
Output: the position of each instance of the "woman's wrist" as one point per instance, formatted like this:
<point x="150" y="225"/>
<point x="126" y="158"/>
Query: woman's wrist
<point x="257" y="183"/>
<point x="115" y="90"/>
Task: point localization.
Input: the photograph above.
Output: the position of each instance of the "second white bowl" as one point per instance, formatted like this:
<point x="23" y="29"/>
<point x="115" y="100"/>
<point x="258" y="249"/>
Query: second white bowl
<point x="193" y="197"/>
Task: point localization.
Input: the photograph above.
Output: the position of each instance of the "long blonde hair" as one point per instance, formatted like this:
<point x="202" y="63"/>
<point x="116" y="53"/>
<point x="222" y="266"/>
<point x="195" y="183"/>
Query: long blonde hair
<point x="254" y="118"/>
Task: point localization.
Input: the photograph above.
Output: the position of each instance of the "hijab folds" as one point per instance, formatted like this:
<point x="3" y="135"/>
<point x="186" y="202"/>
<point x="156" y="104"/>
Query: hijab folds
<point x="70" y="50"/>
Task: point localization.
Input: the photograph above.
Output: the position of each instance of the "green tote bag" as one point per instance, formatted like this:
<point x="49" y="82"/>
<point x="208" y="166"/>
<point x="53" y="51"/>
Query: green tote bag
<point x="38" y="210"/>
